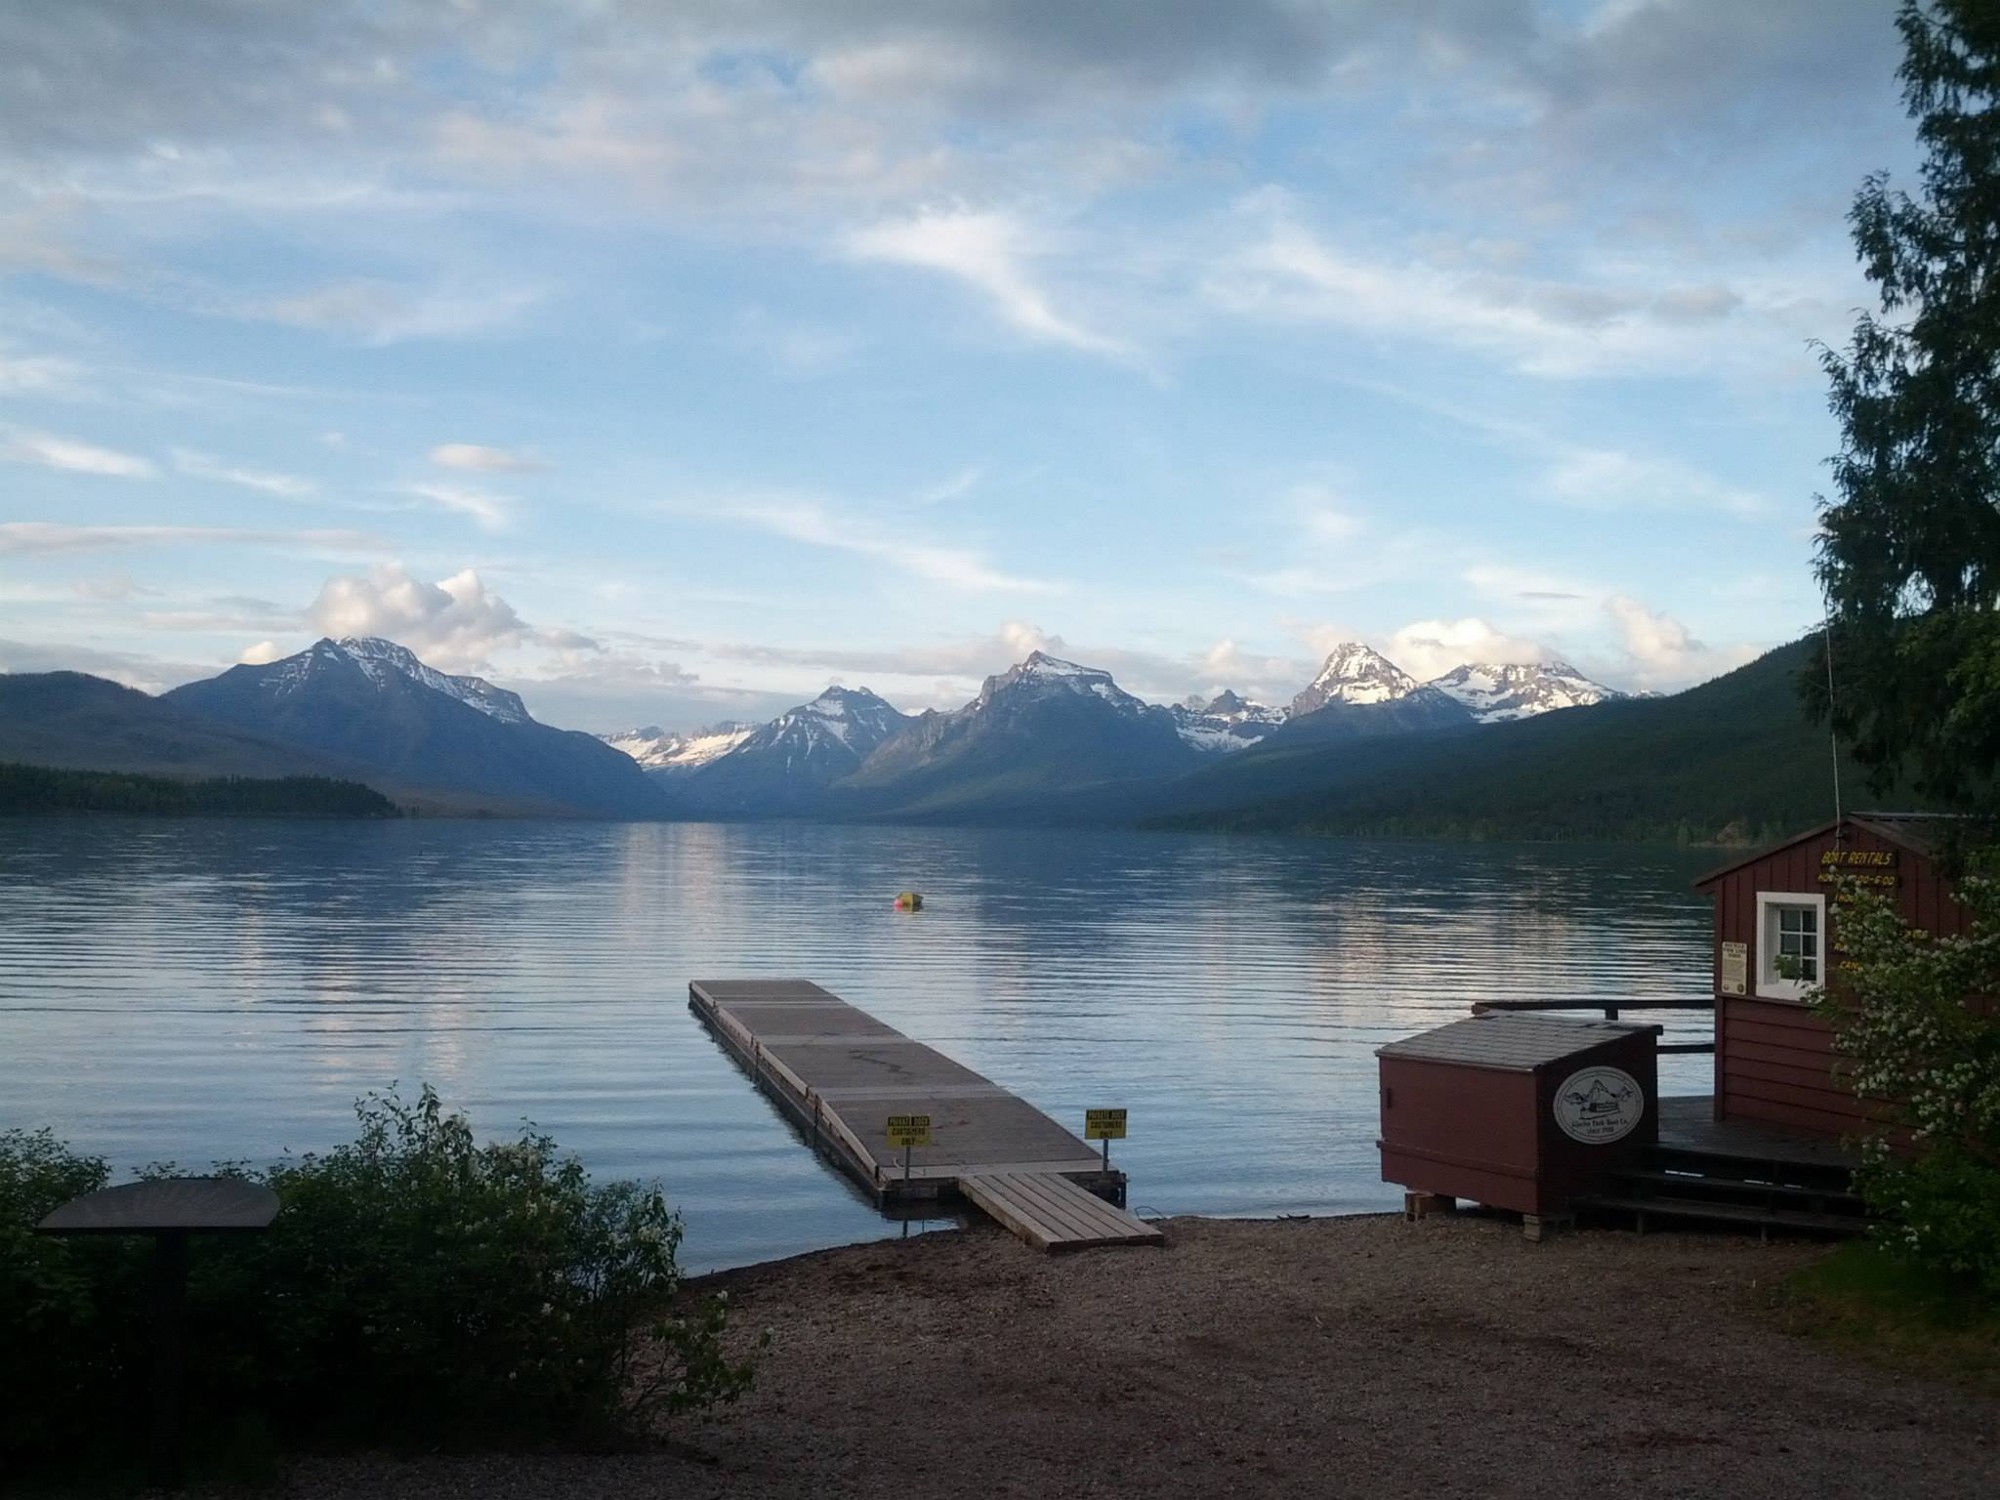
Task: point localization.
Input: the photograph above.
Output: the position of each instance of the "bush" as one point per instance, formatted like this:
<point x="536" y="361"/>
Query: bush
<point x="416" y="1286"/>
<point x="1914" y="1014"/>
<point x="67" y="1340"/>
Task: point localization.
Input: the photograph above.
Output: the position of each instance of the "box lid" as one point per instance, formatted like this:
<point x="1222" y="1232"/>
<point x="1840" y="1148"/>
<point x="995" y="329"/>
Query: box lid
<point x="1511" y="1042"/>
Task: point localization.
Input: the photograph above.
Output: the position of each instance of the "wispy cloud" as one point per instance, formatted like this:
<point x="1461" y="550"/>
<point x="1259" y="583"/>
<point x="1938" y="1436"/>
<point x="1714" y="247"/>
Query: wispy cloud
<point x="43" y="538"/>
<point x="51" y="452"/>
<point x="991" y="252"/>
<point x="490" y="511"/>
<point x="1555" y="326"/>
<point x="201" y="466"/>
<point x="812" y="522"/>
<point x="382" y="312"/>
<point x="1605" y="479"/>
<point x="482" y="459"/>
<point x="957" y="487"/>
<point x="39" y="375"/>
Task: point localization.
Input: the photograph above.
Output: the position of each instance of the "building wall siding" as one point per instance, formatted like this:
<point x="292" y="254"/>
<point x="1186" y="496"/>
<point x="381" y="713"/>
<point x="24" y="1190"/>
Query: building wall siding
<point x="1774" y="1059"/>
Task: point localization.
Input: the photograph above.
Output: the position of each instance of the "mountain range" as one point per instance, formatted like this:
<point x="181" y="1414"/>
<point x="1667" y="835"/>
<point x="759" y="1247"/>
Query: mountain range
<point x="1363" y="746"/>
<point x="362" y="710"/>
<point x="1050" y="734"/>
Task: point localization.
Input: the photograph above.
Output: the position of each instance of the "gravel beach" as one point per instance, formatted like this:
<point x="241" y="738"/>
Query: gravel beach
<point x="1328" y="1357"/>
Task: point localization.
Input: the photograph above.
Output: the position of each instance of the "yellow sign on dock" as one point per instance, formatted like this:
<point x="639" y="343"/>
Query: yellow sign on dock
<point x="909" y="1130"/>
<point x="1104" y="1124"/>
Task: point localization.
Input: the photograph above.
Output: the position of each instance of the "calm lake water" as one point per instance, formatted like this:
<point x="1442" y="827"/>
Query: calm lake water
<point x="194" y="991"/>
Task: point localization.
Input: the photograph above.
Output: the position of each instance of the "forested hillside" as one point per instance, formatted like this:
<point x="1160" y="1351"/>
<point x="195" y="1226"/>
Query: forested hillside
<point x="1733" y="760"/>
<point x="42" y="789"/>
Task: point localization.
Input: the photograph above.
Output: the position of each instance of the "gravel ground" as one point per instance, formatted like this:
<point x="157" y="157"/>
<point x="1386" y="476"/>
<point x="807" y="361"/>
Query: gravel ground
<point x="1327" y="1357"/>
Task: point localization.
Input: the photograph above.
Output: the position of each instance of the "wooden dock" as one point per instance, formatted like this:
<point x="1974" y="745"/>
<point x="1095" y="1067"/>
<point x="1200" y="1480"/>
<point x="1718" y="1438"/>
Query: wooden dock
<point x="839" y="1074"/>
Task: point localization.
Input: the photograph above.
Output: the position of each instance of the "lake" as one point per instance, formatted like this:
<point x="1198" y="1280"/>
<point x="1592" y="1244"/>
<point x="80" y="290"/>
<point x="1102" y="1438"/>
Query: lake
<point x="203" y="990"/>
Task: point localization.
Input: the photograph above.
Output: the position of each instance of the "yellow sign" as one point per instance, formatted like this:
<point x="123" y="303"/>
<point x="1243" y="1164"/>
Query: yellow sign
<point x="1104" y="1124"/>
<point x="909" y="1130"/>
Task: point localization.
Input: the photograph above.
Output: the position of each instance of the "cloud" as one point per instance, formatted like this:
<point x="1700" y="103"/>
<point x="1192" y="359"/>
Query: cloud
<point x="52" y="452"/>
<point x="988" y="251"/>
<point x="456" y="623"/>
<point x="1603" y="479"/>
<point x="381" y="312"/>
<point x="477" y="457"/>
<point x="43" y="538"/>
<point x="811" y="522"/>
<point x="1661" y="652"/>
<point x="39" y="375"/>
<point x="490" y="511"/>
<point x="1564" y="328"/>
<point x="261" y="654"/>
<point x="149" y="674"/>
<point x="200" y="466"/>
<point x="961" y="484"/>
<point x="1431" y="648"/>
<point x="945" y="674"/>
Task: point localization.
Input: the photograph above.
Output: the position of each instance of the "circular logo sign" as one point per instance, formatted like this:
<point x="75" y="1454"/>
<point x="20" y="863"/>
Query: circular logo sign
<point x="1599" y="1105"/>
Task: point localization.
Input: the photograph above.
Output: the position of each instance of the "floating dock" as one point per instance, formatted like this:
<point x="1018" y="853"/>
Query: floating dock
<point x="839" y="1074"/>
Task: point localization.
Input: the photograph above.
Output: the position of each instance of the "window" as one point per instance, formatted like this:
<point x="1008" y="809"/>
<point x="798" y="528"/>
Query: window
<point x="1791" y="944"/>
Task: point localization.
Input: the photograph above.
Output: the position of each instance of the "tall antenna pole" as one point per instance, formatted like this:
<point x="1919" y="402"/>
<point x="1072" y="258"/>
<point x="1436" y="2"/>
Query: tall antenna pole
<point x="1832" y="733"/>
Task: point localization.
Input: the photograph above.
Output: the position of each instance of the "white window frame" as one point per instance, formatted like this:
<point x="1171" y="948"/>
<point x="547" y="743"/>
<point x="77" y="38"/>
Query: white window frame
<point x="1770" y="984"/>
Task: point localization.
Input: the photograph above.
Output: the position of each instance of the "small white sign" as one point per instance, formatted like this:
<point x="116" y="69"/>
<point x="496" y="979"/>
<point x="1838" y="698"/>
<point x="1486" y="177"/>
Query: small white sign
<point x="1599" y="1105"/>
<point x="1735" y="968"/>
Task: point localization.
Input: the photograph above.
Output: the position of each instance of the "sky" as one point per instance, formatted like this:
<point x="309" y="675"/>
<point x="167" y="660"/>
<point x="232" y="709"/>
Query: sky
<point x="668" y="362"/>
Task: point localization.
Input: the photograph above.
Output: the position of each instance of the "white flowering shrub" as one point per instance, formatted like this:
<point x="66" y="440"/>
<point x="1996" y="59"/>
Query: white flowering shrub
<point x="1915" y="1016"/>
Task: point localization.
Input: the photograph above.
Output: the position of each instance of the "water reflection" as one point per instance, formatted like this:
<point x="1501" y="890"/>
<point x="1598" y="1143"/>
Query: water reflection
<point x="201" y="990"/>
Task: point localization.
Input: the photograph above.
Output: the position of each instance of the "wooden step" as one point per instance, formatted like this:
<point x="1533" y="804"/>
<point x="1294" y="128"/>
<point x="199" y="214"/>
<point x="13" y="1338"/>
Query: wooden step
<point x="1052" y="1213"/>
<point x="1827" y="1199"/>
<point x="1825" y="1176"/>
<point x="1726" y="1213"/>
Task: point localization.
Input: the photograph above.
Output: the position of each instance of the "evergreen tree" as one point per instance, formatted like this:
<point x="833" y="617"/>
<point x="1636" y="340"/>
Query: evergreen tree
<point x="1910" y="552"/>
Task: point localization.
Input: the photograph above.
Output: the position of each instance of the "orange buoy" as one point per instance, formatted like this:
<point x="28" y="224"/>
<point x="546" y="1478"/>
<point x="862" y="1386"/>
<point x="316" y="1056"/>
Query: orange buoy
<point x="909" y="901"/>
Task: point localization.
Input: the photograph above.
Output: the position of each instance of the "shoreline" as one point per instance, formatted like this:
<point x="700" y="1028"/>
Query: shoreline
<point x="1354" y="1354"/>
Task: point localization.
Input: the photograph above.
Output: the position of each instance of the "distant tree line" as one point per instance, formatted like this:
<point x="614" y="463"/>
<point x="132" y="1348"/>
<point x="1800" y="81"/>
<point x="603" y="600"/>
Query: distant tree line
<point x="45" y="789"/>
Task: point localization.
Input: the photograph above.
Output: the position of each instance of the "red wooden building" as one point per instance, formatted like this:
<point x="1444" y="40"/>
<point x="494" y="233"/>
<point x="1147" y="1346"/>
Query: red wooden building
<point x="1774" y="1061"/>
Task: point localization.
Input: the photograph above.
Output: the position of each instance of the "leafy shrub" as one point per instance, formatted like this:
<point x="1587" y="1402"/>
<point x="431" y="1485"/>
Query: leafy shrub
<point x="416" y="1286"/>
<point x="66" y="1332"/>
<point x="1914" y="1014"/>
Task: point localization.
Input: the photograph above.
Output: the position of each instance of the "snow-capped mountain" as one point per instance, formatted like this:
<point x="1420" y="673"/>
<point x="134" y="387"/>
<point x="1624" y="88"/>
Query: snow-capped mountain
<point x="376" y="656"/>
<point x="657" y="750"/>
<point x="786" y="765"/>
<point x="1495" y="694"/>
<point x="1354" y="673"/>
<point x="375" y="704"/>
<point x="838" y="728"/>
<point x="1042" y="676"/>
<point x="1040" y="732"/>
<point x="1226" y="722"/>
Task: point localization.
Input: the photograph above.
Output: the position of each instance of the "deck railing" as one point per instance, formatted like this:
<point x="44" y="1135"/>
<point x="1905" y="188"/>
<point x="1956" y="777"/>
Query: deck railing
<point x="1610" y="1010"/>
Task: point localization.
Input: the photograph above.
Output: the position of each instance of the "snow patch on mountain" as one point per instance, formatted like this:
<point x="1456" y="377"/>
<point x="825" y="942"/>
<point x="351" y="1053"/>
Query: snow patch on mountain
<point x="1044" y="676"/>
<point x="657" y="750"/>
<point x="1226" y="722"/>
<point x="381" y="660"/>
<point x="1497" y="693"/>
<point x="1354" y="673"/>
<point x="839" y="728"/>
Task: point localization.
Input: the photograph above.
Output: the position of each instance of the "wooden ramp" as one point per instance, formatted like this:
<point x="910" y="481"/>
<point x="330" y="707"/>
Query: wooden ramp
<point x="1052" y="1213"/>
<point x="839" y="1074"/>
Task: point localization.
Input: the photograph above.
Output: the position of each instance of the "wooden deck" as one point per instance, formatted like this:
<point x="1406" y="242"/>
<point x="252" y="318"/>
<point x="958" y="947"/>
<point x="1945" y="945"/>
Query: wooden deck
<point x="839" y="1074"/>
<point x="1688" y="1123"/>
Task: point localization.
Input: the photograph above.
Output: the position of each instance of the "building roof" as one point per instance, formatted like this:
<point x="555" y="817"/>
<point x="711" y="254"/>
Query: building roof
<point x="1921" y="833"/>
<point x="1510" y="1043"/>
